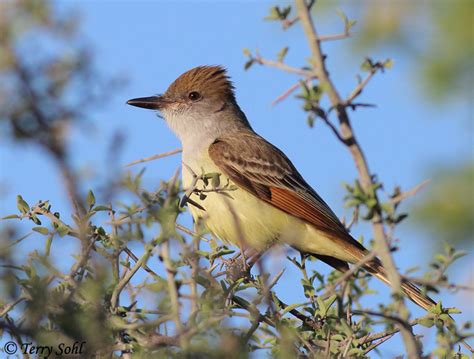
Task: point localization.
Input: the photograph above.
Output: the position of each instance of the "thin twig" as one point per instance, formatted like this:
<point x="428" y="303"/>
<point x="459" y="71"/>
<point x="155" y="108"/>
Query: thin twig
<point x="288" y="23"/>
<point x="282" y="66"/>
<point x="360" y="87"/>
<point x="8" y="307"/>
<point x="333" y="37"/>
<point x="410" y="193"/>
<point x="360" y="264"/>
<point x="376" y="344"/>
<point x="288" y="92"/>
<point x="154" y="157"/>
<point x="124" y="281"/>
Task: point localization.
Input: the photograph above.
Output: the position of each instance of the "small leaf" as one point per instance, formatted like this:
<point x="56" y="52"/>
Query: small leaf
<point x="62" y="230"/>
<point x="215" y="180"/>
<point x="90" y="200"/>
<point x="281" y="55"/>
<point x="248" y="64"/>
<point x="22" y="205"/>
<point x="49" y="241"/>
<point x="366" y="65"/>
<point x="454" y="311"/>
<point x="322" y="306"/>
<point x="291" y="307"/>
<point x="35" y="219"/>
<point x="330" y="301"/>
<point x="12" y="216"/>
<point x="101" y="208"/>
<point x="42" y="230"/>
<point x="388" y="64"/>
<point x="426" y="322"/>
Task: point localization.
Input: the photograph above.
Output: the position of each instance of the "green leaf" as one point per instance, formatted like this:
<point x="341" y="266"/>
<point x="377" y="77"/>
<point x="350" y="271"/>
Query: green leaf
<point x="90" y="200"/>
<point x="62" y="230"/>
<point x="248" y="64"/>
<point x="458" y="255"/>
<point x="101" y="208"/>
<point x="388" y="64"/>
<point x="281" y="55"/>
<point x="323" y="309"/>
<point x="22" y="205"/>
<point x="274" y="14"/>
<point x="343" y="16"/>
<point x="42" y="230"/>
<point x="355" y="352"/>
<point x="350" y="24"/>
<point x="453" y="310"/>
<point x="426" y="322"/>
<point x="12" y="216"/>
<point x="35" y="219"/>
<point x="215" y="180"/>
<point x="49" y="241"/>
<point x="291" y="307"/>
<point x="366" y="65"/>
<point x="284" y="12"/>
<point x="330" y="301"/>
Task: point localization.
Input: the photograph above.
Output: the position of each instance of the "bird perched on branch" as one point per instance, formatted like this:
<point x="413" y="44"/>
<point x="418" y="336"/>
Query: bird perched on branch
<point x="271" y="203"/>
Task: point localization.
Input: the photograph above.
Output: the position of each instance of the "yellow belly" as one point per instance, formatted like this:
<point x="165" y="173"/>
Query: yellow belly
<point x="246" y="220"/>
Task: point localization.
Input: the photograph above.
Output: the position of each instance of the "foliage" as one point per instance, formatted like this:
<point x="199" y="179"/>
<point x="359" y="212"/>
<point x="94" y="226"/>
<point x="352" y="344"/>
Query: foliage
<point x="184" y="294"/>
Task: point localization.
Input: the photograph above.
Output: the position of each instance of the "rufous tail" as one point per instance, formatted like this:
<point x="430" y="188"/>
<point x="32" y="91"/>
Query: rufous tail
<point x="409" y="288"/>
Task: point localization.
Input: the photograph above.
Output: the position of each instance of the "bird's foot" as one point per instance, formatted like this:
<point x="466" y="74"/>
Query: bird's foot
<point x="240" y="265"/>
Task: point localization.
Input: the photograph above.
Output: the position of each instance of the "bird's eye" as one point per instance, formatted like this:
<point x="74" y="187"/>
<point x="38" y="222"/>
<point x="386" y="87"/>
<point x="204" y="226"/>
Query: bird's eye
<point x="194" y="96"/>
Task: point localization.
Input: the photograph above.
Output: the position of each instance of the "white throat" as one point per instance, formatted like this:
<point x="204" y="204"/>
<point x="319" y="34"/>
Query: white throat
<point x="198" y="131"/>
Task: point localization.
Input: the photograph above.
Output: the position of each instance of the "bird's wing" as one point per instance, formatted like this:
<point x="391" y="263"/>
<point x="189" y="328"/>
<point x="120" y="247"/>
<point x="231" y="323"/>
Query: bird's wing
<point x="260" y="168"/>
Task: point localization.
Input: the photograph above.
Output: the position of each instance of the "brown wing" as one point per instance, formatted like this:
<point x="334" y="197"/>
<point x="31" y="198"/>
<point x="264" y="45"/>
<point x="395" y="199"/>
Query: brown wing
<point x="260" y="168"/>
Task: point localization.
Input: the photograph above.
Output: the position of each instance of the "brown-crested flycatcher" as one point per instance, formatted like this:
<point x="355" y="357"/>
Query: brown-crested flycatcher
<point x="272" y="203"/>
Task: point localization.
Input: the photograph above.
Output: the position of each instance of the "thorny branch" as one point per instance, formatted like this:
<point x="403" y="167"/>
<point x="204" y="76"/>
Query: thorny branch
<point x="382" y="247"/>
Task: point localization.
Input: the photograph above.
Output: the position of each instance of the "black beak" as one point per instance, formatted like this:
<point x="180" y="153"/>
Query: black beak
<point x="151" y="103"/>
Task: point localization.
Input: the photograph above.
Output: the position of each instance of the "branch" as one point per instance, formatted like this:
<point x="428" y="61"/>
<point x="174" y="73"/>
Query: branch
<point x="172" y="288"/>
<point x="114" y="300"/>
<point x="294" y="20"/>
<point x="381" y="245"/>
<point x="288" y="92"/>
<point x="360" y="87"/>
<point x="360" y="264"/>
<point x="333" y="37"/>
<point x="376" y="344"/>
<point x="410" y="193"/>
<point x="8" y="307"/>
<point x="154" y="157"/>
<point x="282" y="66"/>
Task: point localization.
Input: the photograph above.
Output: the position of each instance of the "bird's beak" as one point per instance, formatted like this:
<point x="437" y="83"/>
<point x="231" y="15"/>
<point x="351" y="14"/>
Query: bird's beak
<point x="151" y="103"/>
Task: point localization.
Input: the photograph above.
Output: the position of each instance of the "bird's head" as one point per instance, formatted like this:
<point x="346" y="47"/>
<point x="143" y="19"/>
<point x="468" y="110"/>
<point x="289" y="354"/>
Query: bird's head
<point x="201" y="97"/>
<point x="200" y="89"/>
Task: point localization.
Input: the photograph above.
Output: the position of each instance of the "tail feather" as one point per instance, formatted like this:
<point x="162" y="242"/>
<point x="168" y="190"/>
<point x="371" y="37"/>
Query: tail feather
<point x="376" y="268"/>
<point x="408" y="287"/>
<point x="410" y="290"/>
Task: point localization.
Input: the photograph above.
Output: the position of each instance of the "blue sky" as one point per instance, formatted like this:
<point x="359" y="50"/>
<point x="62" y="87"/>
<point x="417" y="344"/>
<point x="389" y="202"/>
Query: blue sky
<point x="151" y="43"/>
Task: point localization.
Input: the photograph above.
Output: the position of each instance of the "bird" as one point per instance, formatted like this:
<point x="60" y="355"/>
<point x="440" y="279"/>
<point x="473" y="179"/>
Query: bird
<point x="271" y="203"/>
